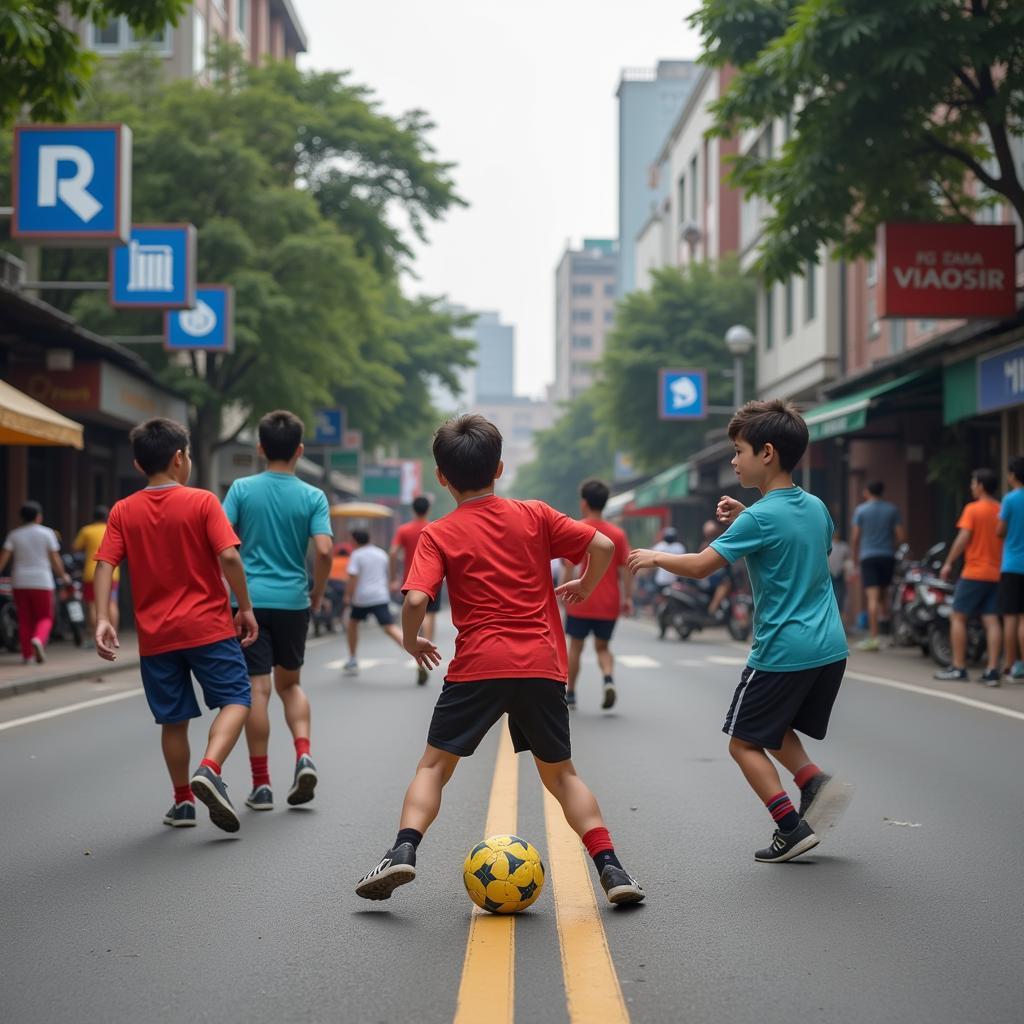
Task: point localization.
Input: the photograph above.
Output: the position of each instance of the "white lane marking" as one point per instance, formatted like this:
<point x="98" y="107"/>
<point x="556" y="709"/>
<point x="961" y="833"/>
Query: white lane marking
<point x="690" y="662"/>
<point x="638" y="661"/>
<point x="365" y="663"/>
<point x="721" y="659"/>
<point x="80" y="706"/>
<point x="321" y="640"/>
<point x="969" y="702"/>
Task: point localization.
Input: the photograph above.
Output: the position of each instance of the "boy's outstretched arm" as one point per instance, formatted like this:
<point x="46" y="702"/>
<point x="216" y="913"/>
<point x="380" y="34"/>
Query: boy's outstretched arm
<point x="414" y="608"/>
<point x="600" y="551"/>
<point x="697" y="566"/>
<point x="245" y="622"/>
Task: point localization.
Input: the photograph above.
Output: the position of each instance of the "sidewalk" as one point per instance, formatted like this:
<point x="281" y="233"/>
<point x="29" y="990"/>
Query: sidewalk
<point x="64" y="664"/>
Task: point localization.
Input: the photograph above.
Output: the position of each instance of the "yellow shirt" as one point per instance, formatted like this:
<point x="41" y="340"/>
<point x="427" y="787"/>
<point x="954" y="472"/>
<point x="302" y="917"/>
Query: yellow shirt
<point x="88" y="540"/>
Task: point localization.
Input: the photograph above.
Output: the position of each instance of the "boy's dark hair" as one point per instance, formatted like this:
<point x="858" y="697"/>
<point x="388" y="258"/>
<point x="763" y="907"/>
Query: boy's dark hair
<point x="30" y="511"/>
<point x="467" y="450"/>
<point x="280" y="435"/>
<point x="421" y="505"/>
<point x="876" y="488"/>
<point x="595" y="494"/>
<point x="100" y="514"/>
<point x="360" y="537"/>
<point x="155" y="442"/>
<point x="986" y="480"/>
<point x="1017" y="468"/>
<point x="773" y="422"/>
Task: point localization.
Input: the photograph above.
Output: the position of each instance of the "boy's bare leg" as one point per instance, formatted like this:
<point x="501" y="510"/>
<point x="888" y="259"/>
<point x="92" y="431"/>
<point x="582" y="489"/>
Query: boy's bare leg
<point x="791" y="755"/>
<point x="395" y="633"/>
<point x="1011" y="626"/>
<point x="757" y="769"/>
<point x="294" y="699"/>
<point x="257" y="725"/>
<point x="575" y="654"/>
<point x="577" y="801"/>
<point x="605" y="659"/>
<point x="352" y="632"/>
<point x="423" y="797"/>
<point x="1020" y="637"/>
<point x="174" y="743"/>
<point x="993" y="640"/>
<point x="224" y="731"/>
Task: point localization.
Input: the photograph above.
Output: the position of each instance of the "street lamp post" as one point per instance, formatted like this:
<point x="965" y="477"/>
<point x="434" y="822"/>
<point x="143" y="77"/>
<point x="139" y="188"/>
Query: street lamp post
<point x="739" y="341"/>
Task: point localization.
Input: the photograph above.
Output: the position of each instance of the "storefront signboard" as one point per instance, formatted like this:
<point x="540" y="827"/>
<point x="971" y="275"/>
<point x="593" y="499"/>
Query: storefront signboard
<point x="1001" y="379"/>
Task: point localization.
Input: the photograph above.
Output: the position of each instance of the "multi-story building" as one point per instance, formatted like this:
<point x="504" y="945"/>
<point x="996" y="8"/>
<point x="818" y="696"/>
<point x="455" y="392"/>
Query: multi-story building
<point x="494" y="353"/>
<point x="518" y="418"/>
<point x="265" y="29"/>
<point x="649" y="103"/>
<point x="585" y="293"/>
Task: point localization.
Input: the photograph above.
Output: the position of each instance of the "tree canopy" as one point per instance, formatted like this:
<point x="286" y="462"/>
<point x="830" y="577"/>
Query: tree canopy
<point x="900" y="111"/>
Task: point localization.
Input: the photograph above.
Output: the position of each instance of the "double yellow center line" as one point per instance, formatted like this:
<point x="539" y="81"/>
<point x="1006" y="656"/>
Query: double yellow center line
<point x="592" y="988"/>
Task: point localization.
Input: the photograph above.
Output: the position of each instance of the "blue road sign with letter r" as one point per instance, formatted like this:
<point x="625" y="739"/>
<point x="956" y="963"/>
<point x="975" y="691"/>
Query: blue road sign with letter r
<point x="682" y="395"/>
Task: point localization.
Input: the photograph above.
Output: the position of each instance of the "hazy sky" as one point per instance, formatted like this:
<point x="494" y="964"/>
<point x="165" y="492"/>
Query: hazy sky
<point x="524" y="100"/>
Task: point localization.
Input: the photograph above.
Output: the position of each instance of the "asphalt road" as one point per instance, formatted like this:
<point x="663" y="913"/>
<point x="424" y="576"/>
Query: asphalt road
<point x="910" y="911"/>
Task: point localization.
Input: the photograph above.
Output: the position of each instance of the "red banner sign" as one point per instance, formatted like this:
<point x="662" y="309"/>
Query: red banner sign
<point x="946" y="271"/>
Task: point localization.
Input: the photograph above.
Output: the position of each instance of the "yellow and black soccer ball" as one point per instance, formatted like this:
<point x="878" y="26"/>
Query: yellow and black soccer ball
<point x="503" y="874"/>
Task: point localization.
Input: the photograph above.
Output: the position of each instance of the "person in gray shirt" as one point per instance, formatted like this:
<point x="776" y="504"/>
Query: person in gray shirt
<point x="877" y="532"/>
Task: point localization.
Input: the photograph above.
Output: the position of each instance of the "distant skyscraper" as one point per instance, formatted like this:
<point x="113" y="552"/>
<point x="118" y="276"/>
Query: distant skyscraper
<point x="584" y="311"/>
<point x="494" y="352"/>
<point x="650" y="101"/>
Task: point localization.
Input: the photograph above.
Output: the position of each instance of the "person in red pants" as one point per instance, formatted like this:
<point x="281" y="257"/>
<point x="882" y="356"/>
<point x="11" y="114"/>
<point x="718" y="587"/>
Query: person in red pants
<point x="36" y="553"/>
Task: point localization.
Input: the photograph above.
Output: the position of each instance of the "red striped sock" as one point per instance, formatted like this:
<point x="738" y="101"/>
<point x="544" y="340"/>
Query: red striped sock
<point x="260" y="771"/>
<point x="208" y="762"/>
<point x="598" y="842"/>
<point x="781" y="808"/>
<point x="301" y="746"/>
<point x="808" y="772"/>
<point x="183" y="795"/>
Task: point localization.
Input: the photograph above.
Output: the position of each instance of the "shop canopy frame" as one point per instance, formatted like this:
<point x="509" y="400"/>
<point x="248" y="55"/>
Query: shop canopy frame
<point x="668" y="486"/>
<point x="849" y="413"/>
<point x="25" y="421"/>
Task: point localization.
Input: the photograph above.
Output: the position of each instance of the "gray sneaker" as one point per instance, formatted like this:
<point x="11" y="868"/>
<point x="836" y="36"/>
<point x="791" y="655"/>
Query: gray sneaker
<point x="209" y="787"/>
<point x="260" y="799"/>
<point x="823" y="801"/>
<point x="397" y="867"/>
<point x="619" y="886"/>
<point x="350" y="668"/>
<point x="305" y="782"/>
<point x="787" y="845"/>
<point x="951" y="675"/>
<point x="181" y="815"/>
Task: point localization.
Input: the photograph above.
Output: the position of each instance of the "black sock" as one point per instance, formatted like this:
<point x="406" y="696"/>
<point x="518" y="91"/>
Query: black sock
<point x="409" y="835"/>
<point x="608" y="679"/>
<point x="605" y="857"/>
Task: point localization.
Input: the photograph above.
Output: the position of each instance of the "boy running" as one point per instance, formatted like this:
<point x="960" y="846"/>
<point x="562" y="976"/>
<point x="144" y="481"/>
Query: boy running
<point x="799" y="652"/>
<point x="510" y="652"/>
<point x="276" y="514"/>
<point x="407" y="536"/>
<point x="179" y="545"/>
<point x="368" y="594"/>
<point x="599" y="613"/>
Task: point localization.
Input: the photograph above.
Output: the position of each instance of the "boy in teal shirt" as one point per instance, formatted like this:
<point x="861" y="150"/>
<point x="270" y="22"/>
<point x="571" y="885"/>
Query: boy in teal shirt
<point x="799" y="653"/>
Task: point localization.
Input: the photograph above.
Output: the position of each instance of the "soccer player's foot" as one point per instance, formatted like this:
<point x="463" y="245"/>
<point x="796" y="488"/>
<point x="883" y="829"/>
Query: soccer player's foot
<point x="609" y="695"/>
<point x="619" y="886"/>
<point x="397" y="867"/>
<point x="869" y="643"/>
<point x="991" y="677"/>
<point x="570" y="699"/>
<point x="824" y="800"/>
<point x="39" y="651"/>
<point x="305" y="782"/>
<point x="209" y="787"/>
<point x="351" y="667"/>
<point x="422" y="675"/>
<point x="260" y="799"/>
<point x="787" y="845"/>
<point x="951" y="674"/>
<point x="181" y="815"/>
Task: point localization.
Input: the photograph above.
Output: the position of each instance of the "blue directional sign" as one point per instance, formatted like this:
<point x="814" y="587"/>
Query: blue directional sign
<point x="209" y="327"/>
<point x="682" y="395"/>
<point x="330" y="427"/>
<point x="156" y="269"/>
<point x="72" y="183"/>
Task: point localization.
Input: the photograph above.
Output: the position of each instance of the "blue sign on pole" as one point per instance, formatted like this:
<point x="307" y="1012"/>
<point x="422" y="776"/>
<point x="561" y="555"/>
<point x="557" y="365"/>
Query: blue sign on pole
<point x="682" y="395"/>
<point x="1001" y="379"/>
<point x="72" y="183"/>
<point x="156" y="269"/>
<point x="209" y="327"/>
<point x="330" y="428"/>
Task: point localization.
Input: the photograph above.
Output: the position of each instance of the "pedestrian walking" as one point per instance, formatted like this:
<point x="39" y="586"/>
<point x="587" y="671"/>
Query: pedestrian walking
<point x="510" y="653"/>
<point x="277" y="516"/>
<point x="1011" y="577"/>
<point x="877" y="532"/>
<point x="406" y="538"/>
<point x="977" y="590"/>
<point x="671" y="545"/>
<point x="799" y="653"/>
<point x="367" y="594"/>
<point x="36" y="553"/>
<point x="180" y="548"/>
<point x="612" y="596"/>
<point x="88" y="542"/>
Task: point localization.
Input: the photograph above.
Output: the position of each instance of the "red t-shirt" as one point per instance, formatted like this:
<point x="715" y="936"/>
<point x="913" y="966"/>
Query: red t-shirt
<point x="171" y="537"/>
<point x="407" y="536"/>
<point x="496" y="555"/>
<point x="606" y="600"/>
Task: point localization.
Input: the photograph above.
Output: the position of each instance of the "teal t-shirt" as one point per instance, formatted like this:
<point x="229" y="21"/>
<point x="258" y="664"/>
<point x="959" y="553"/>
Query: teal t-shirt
<point x="275" y="514"/>
<point x="1012" y="513"/>
<point x="786" y="538"/>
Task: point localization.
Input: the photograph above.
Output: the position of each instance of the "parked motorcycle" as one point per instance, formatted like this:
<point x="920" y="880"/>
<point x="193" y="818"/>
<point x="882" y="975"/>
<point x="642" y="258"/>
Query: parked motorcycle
<point x="940" y="646"/>
<point x="917" y="593"/>
<point x="8" y="616"/>
<point x="69" y="621"/>
<point x="684" y="608"/>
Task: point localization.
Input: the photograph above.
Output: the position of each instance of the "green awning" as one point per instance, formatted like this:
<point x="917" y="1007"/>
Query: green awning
<point x="671" y="485"/>
<point x="850" y="413"/>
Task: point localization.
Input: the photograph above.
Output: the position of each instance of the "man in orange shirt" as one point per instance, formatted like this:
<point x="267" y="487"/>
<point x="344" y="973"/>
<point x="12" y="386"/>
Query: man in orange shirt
<point x="599" y="612"/>
<point x="976" y="591"/>
<point x="407" y="536"/>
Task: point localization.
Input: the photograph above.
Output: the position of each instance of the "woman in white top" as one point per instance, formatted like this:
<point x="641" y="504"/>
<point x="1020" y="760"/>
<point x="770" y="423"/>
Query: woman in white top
<point x="36" y="553"/>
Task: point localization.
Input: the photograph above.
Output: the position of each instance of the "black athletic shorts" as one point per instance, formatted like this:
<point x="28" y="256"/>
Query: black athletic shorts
<point x="282" y="640"/>
<point x="580" y="629"/>
<point x="1011" y="593"/>
<point x="538" y="719"/>
<point x="381" y="612"/>
<point x="767" y="704"/>
<point x="877" y="571"/>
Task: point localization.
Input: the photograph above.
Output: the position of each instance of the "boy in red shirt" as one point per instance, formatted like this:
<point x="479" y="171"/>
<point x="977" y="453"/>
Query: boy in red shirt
<point x="599" y="612"/>
<point x="510" y="654"/>
<point x="178" y="543"/>
<point x="407" y="536"/>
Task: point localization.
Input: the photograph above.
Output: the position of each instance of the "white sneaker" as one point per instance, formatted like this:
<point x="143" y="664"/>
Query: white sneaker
<point x="869" y="643"/>
<point x="351" y="667"/>
<point x="40" y="652"/>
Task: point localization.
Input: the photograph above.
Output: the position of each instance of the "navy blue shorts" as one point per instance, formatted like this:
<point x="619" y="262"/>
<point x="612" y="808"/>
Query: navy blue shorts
<point x="381" y="612"/>
<point x="976" y="597"/>
<point x="579" y="628"/>
<point x="219" y="669"/>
